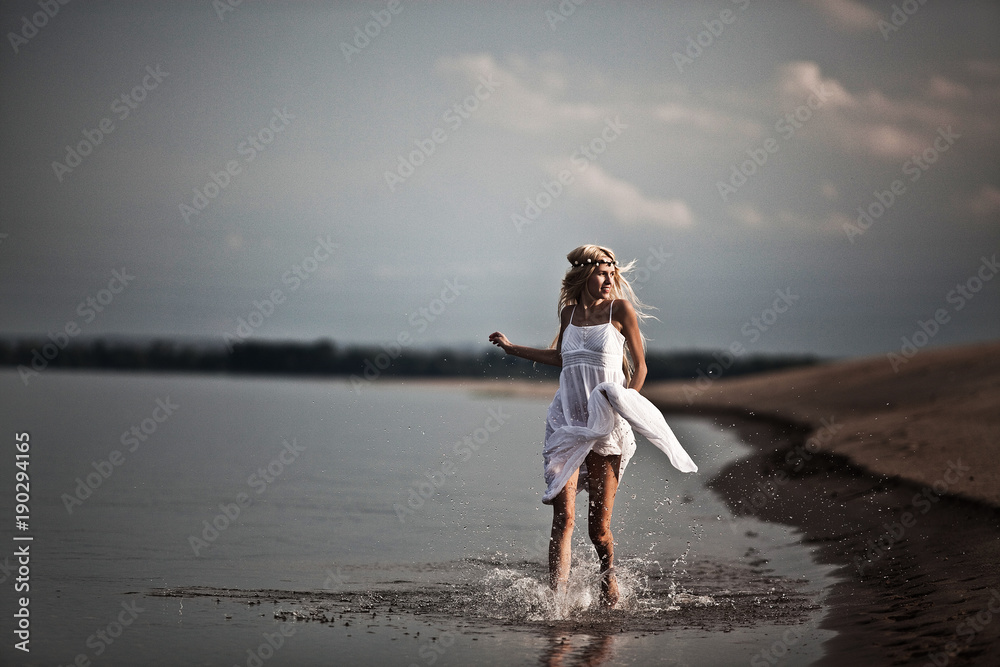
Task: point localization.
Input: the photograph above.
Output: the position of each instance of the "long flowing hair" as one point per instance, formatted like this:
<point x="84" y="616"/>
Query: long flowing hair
<point x="575" y="281"/>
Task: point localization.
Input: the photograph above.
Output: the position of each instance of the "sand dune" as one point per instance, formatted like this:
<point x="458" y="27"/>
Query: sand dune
<point x="936" y="420"/>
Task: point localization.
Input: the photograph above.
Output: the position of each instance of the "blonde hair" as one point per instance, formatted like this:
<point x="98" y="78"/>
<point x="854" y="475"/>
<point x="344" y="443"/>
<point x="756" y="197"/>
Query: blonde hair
<point x="575" y="281"/>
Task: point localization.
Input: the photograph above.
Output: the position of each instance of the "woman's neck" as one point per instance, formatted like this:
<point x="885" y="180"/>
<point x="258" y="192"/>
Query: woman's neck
<point x="587" y="303"/>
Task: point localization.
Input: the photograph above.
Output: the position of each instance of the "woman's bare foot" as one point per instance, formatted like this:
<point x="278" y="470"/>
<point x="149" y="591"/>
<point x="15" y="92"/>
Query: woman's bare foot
<point x="609" y="590"/>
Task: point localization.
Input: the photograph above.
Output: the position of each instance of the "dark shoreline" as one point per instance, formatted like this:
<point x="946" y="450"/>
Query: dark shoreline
<point x="244" y="356"/>
<point x="908" y="594"/>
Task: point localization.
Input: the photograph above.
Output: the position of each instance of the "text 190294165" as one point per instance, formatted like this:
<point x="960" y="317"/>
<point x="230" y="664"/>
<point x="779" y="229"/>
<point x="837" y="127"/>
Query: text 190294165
<point x="22" y="555"/>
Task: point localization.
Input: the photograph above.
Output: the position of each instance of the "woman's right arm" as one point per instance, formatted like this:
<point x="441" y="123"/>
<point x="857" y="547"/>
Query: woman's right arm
<point x="551" y="356"/>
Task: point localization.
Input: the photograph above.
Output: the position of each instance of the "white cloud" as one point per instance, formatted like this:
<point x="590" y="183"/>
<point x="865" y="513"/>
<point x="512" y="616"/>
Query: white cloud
<point x="546" y="98"/>
<point x="834" y="224"/>
<point x="987" y="69"/>
<point x="846" y="15"/>
<point x="626" y="203"/>
<point x="791" y="218"/>
<point x="869" y="124"/>
<point x="829" y="190"/>
<point x="527" y="98"/>
<point x="797" y="81"/>
<point x="942" y="88"/>
<point x="747" y="214"/>
<point x="706" y="120"/>
<point x="829" y="223"/>
<point x="985" y="203"/>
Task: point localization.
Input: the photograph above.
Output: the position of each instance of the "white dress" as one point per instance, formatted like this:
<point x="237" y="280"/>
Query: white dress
<point x="592" y="410"/>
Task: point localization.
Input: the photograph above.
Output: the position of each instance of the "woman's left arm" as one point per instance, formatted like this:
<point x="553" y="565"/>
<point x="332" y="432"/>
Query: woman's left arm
<point x="630" y="329"/>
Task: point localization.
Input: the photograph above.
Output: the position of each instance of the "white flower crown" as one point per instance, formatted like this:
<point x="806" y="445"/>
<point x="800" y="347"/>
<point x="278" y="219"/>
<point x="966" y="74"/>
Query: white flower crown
<point x="609" y="262"/>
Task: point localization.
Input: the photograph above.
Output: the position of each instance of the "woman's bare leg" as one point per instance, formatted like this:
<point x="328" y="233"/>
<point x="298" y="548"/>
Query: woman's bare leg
<point x="561" y="540"/>
<point x="602" y="484"/>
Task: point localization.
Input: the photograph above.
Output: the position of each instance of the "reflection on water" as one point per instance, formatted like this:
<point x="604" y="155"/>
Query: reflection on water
<point x="584" y="650"/>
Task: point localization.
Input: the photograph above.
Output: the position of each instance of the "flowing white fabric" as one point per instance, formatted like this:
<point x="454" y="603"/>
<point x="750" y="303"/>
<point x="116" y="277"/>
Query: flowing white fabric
<point x="568" y="446"/>
<point x="592" y="410"/>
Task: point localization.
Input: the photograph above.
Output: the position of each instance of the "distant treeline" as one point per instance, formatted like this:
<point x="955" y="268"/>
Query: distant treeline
<point x="324" y="357"/>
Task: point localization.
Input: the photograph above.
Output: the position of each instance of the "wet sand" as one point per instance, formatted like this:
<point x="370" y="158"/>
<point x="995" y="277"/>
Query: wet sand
<point x="895" y="476"/>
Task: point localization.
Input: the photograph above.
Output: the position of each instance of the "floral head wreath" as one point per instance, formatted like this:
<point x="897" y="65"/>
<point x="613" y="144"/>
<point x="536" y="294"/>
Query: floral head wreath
<point x="598" y="262"/>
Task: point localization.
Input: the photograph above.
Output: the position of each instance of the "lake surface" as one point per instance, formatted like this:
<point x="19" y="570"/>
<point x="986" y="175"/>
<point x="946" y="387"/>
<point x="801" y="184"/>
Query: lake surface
<point x="147" y="482"/>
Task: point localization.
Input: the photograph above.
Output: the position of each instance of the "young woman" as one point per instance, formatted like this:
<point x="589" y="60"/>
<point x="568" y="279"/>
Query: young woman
<point x="588" y="431"/>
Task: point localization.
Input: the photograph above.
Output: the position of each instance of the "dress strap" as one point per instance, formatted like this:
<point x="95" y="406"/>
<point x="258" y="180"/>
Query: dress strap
<point x="610" y="310"/>
<point x="572" y="314"/>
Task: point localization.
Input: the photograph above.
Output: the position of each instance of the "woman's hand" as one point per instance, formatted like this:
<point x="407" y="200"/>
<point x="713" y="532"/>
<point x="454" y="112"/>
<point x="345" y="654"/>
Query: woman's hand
<point x="501" y="341"/>
<point x="547" y="355"/>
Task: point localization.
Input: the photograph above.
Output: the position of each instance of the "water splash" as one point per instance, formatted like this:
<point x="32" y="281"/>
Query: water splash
<point x="680" y="598"/>
<point x="520" y="593"/>
<point x="511" y="595"/>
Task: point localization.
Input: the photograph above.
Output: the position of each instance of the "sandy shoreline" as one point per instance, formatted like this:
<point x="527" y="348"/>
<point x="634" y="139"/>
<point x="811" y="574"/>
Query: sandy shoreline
<point x="895" y="476"/>
<point x="940" y="407"/>
<point x="513" y="388"/>
<point x="908" y="594"/>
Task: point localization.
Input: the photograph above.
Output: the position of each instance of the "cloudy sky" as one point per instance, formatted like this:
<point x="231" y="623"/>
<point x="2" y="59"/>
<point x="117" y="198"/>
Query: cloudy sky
<point x="423" y="168"/>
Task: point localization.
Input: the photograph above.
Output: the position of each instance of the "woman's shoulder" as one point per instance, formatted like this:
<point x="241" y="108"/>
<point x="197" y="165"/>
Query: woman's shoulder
<point x="622" y="307"/>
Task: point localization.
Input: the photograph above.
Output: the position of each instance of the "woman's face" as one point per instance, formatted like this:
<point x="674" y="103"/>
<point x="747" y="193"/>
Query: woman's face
<point x="599" y="283"/>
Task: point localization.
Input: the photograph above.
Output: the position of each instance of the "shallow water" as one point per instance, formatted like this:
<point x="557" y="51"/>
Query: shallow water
<point x="417" y="506"/>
